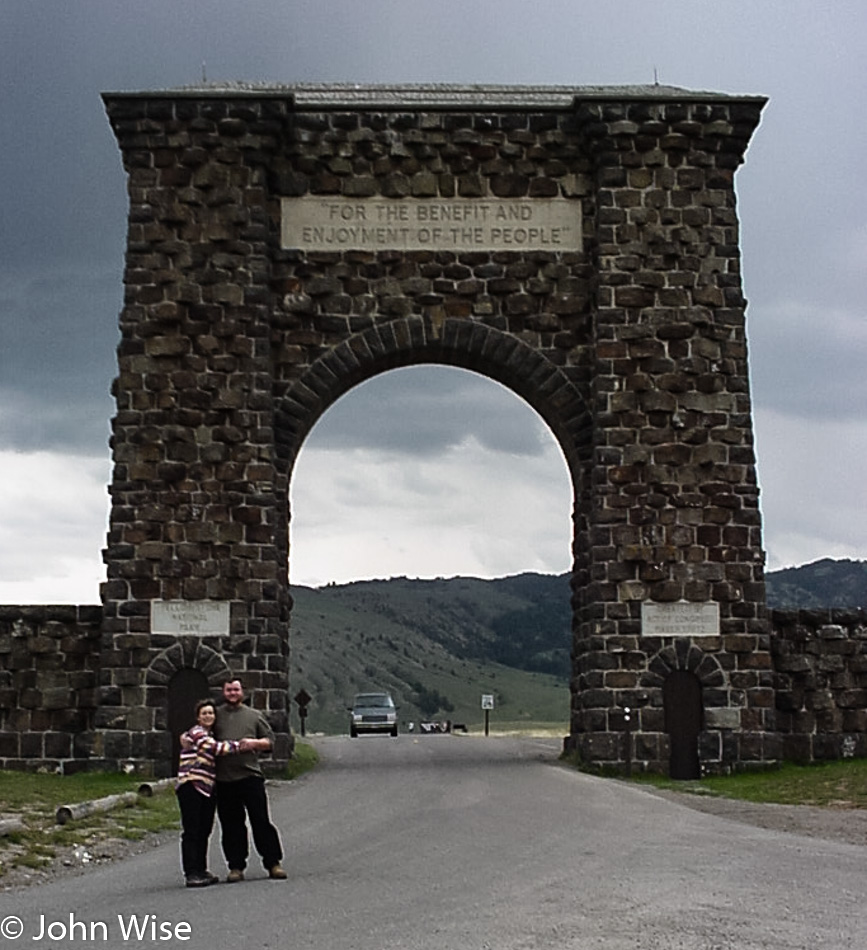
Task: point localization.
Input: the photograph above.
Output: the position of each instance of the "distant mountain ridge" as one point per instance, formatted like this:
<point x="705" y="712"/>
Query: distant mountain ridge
<point x="824" y="583"/>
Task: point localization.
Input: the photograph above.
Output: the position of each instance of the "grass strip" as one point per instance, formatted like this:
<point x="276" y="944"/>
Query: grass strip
<point x="36" y="797"/>
<point x="839" y="784"/>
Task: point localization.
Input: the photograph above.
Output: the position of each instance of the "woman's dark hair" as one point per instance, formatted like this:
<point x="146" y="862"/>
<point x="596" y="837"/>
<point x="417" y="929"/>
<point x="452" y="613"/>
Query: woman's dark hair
<point x="201" y="705"/>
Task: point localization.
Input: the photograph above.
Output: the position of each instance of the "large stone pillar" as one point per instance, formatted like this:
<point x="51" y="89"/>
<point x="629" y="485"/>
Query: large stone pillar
<point x="674" y="519"/>
<point x="198" y="517"/>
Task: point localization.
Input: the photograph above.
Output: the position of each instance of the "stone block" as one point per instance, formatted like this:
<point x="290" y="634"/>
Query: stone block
<point x="10" y="745"/>
<point x="57" y="745"/>
<point x="723" y="718"/>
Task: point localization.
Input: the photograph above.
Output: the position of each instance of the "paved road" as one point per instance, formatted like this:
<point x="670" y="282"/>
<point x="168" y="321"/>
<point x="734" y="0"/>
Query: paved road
<point x="464" y="843"/>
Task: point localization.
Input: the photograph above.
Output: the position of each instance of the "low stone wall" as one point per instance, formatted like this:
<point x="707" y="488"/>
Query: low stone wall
<point x="49" y="681"/>
<point x="50" y="685"/>
<point x="820" y="667"/>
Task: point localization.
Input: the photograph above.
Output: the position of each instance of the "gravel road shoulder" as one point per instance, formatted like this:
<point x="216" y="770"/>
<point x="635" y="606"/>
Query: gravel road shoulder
<point x="841" y="823"/>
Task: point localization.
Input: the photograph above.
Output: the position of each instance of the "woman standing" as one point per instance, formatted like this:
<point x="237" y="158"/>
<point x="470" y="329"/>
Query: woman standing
<point x="195" y="791"/>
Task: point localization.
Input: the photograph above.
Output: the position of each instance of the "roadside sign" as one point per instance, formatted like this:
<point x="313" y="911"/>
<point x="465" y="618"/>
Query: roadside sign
<point x="487" y="701"/>
<point x="303" y="698"/>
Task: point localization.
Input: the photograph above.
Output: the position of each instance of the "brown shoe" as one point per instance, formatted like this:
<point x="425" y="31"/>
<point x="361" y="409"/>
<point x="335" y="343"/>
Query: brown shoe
<point x="234" y="876"/>
<point x="277" y="873"/>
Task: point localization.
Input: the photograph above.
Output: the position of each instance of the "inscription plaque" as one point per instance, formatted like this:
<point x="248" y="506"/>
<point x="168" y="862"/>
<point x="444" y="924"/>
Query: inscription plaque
<point x="681" y="619"/>
<point x="317" y="223"/>
<point x="184" y="617"/>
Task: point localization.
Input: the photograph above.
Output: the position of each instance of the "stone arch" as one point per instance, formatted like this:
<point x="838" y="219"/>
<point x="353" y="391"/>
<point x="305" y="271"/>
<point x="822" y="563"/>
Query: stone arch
<point x="185" y="655"/>
<point x="189" y="653"/>
<point x="454" y="342"/>
<point x="690" y="681"/>
<point x="684" y="655"/>
<point x="622" y="323"/>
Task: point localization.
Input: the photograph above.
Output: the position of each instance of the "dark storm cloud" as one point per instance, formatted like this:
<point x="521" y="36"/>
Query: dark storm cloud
<point x="63" y="195"/>
<point x="800" y="196"/>
<point x="57" y="341"/>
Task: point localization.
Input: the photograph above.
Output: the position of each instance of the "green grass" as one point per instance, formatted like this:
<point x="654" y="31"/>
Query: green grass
<point x="392" y="635"/>
<point x="35" y="797"/>
<point x="304" y="759"/>
<point x="840" y="784"/>
<point x="40" y="792"/>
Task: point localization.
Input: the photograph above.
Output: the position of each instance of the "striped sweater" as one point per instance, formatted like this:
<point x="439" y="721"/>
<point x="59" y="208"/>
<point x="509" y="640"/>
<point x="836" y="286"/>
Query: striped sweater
<point x="197" y="763"/>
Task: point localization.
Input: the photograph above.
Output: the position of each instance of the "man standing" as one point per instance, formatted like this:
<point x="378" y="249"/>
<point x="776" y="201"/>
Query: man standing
<point x="241" y="787"/>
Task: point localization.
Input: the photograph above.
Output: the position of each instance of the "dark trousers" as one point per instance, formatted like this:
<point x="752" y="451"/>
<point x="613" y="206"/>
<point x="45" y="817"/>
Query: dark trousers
<point x="197" y="820"/>
<point x="237" y="801"/>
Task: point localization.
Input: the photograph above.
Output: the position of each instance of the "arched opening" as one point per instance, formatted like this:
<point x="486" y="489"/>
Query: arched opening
<point x="186" y="687"/>
<point x="427" y="472"/>
<point x="684" y="715"/>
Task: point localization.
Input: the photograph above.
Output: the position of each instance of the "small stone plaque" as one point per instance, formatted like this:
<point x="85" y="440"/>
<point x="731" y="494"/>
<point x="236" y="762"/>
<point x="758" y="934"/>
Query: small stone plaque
<point x="319" y="223"/>
<point x="682" y="619"/>
<point x="190" y="617"/>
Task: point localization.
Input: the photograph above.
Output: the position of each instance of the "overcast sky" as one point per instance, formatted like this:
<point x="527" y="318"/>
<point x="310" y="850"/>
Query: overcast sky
<point x="425" y="471"/>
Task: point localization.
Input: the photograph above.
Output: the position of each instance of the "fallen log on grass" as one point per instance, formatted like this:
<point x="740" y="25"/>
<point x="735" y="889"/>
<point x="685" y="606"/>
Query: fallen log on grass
<point x="81" y="810"/>
<point x="147" y="789"/>
<point x="9" y="826"/>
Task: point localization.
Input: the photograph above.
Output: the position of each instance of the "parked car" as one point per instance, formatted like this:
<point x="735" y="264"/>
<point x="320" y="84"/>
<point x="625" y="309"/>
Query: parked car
<point x="372" y="712"/>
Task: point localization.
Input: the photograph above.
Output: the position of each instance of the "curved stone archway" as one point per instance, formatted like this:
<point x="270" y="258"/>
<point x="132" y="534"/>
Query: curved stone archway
<point x="579" y="246"/>
<point x="684" y="655"/>
<point x="187" y="653"/>
<point x="418" y="339"/>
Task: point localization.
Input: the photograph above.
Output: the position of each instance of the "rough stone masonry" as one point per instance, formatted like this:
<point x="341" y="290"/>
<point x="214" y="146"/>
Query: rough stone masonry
<point x="579" y="245"/>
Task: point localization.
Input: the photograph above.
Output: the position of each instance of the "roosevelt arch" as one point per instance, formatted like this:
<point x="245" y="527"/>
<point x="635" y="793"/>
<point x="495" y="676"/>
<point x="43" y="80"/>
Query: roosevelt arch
<point x="612" y="303"/>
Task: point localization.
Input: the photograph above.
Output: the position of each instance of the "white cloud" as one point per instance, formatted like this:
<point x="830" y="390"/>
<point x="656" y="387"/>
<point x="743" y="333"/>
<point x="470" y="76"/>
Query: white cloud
<point x="429" y="471"/>
<point x="368" y="513"/>
<point x="812" y="478"/>
<point x="52" y="527"/>
<point x="426" y="409"/>
<point x="808" y="359"/>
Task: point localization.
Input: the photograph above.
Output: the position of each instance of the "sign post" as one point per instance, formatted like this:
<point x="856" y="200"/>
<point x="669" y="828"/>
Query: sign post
<point x="302" y="697"/>
<point x="487" y="705"/>
<point x="627" y="723"/>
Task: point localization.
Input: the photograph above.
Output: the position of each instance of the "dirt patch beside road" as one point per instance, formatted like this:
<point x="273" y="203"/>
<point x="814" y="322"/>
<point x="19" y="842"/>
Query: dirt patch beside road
<point x="91" y="852"/>
<point x="843" y="823"/>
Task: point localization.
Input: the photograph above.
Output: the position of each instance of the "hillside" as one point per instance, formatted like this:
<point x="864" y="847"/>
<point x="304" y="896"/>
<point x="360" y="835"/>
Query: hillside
<point x="438" y="645"/>
<point x="825" y="583"/>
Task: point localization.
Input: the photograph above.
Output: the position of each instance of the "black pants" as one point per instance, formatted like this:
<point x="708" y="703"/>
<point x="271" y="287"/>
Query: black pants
<point x="237" y="801"/>
<point x="197" y="821"/>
